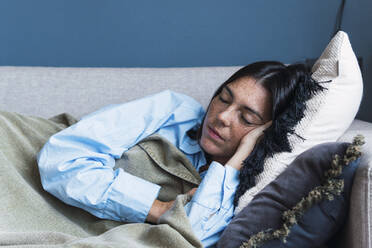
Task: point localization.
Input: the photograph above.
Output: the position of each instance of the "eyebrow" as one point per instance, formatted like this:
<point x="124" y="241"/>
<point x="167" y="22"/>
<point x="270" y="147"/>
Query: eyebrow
<point x="245" y="107"/>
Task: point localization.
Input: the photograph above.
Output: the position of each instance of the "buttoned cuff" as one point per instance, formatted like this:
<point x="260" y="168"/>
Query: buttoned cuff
<point x="232" y="177"/>
<point x="219" y="183"/>
<point x="131" y="198"/>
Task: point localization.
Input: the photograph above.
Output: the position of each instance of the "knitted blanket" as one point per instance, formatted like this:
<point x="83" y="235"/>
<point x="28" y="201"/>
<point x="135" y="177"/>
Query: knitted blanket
<point x="30" y="216"/>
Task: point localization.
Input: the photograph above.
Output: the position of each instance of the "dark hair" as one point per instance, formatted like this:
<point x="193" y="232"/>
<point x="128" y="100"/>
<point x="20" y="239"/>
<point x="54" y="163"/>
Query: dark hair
<point x="290" y="87"/>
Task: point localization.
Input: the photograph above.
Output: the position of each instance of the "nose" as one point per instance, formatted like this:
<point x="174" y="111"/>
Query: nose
<point x="226" y="116"/>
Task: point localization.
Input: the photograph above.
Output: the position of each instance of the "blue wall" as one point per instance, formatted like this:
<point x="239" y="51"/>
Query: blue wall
<point x="171" y="33"/>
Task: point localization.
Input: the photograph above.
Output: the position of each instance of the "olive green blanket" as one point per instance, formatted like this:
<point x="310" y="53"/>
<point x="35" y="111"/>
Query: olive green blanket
<point x="31" y="217"/>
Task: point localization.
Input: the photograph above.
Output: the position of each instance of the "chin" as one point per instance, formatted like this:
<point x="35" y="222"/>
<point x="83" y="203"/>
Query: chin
<point x="210" y="147"/>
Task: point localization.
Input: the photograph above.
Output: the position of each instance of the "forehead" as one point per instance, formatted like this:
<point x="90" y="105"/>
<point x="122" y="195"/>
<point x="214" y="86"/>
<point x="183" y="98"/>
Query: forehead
<point x="251" y="95"/>
<point x="247" y="89"/>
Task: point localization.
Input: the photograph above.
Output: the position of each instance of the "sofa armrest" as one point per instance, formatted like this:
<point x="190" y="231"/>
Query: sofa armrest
<point x="357" y="230"/>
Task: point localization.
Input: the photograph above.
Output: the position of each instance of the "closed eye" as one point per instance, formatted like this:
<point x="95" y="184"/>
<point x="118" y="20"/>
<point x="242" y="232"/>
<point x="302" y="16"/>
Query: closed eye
<point x="247" y="122"/>
<point x="223" y="100"/>
<point x="244" y="120"/>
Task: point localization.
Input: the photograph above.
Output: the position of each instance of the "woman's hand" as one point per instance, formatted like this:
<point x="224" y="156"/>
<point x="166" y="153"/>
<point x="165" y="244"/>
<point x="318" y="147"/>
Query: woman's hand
<point x="246" y="146"/>
<point x="158" y="208"/>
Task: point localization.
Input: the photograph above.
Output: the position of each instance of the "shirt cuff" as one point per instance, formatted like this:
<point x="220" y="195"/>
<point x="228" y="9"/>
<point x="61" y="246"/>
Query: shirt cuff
<point x="131" y="198"/>
<point x="218" y="179"/>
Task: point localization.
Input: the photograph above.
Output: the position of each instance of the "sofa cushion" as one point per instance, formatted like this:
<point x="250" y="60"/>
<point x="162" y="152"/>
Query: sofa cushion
<point x="357" y="230"/>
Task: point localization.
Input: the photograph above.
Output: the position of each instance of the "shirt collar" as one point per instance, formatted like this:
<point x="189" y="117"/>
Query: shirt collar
<point x="189" y="145"/>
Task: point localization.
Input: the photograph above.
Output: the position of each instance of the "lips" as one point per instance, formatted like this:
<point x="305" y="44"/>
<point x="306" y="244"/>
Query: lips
<point x="214" y="133"/>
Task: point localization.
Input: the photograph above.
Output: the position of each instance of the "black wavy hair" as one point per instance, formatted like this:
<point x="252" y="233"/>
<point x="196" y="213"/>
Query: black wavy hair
<point x="290" y="87"/>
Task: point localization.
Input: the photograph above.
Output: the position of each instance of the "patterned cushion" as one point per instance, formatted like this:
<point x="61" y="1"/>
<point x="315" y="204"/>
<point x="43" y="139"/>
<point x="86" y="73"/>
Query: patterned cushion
<point x="303" y="192"/>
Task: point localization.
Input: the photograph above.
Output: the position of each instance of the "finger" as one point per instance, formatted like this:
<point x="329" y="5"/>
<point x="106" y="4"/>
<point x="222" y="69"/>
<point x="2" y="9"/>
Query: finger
<point x="266" y="125"/>
<point x="259" y="130"/>
<point x="191" y="192"/>
<point x="263" y="127"/>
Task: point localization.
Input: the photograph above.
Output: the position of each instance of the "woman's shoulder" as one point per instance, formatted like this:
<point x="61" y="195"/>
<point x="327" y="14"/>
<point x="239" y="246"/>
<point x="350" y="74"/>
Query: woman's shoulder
<point x="183" y="98"/>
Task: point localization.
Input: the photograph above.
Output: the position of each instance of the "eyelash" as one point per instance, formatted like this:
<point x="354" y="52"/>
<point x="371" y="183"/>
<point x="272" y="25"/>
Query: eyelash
<point x="223" y="100"/>
<point x="226" y="102"/>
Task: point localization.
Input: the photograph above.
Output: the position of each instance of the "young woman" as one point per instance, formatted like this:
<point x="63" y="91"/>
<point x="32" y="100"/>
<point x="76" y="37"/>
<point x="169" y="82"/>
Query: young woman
<point x="76" y="164"/>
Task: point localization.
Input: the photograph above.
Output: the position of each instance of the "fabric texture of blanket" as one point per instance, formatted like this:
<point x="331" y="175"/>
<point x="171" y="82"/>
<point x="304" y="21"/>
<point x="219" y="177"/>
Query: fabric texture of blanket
<point x="31" y="216"/>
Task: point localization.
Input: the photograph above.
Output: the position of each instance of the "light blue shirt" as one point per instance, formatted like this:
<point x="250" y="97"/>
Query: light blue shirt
<point x="76" y="164"/>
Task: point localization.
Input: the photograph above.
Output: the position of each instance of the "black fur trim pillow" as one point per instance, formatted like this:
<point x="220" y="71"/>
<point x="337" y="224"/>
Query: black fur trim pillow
<point x="275" y="139"/>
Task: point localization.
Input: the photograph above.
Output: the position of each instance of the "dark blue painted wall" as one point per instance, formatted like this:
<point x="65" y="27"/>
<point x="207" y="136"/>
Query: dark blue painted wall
<point x="171" y="33"/>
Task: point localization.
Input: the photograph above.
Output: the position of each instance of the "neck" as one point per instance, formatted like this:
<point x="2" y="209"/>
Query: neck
<point x="220" y="160"/>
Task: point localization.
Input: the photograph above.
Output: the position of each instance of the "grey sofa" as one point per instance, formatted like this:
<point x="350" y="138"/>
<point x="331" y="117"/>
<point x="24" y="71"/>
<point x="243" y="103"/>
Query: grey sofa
<point x="48" y="91"/>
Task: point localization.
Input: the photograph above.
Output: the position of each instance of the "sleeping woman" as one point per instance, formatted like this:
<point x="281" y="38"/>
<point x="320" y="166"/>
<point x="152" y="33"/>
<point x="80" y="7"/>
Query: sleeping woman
<point x="77" y="164"/>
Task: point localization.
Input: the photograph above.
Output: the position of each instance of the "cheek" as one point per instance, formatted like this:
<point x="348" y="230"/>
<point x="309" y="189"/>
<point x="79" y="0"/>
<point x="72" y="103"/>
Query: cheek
<point x="212" y="109"/>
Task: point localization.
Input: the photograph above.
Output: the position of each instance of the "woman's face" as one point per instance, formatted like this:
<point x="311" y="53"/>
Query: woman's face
<point x="241" y="107"/>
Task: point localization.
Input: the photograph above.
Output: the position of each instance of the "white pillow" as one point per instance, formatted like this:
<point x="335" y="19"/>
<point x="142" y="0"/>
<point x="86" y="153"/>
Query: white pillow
<point x="328" y="114"/>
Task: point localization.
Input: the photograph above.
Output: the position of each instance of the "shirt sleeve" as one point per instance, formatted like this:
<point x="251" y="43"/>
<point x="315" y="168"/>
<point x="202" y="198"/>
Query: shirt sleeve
<point x="76" y="164"/>
<point x="211" y="208"/>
